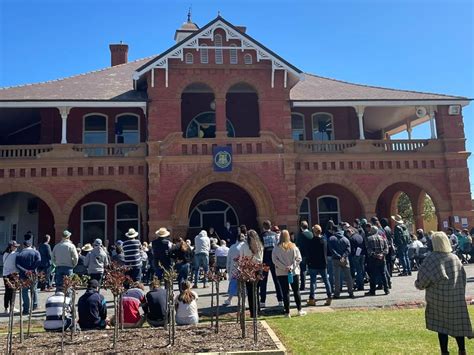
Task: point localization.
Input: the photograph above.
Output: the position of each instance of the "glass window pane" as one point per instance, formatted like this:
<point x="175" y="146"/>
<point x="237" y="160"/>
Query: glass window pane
<point x="213" y="205"/>
<point x="325" y="218"/>
<point x="92" y="231"/>
<point x="231" y="217"/>
<point x="297" y="122"/>
<point x="93" y="212"/>
<point x="131" y="137"/>
<point x="127" y="211"/>
<point x="230" y="129"/>
<point x="204" y="55"/>
<point x="123" y="227"/>
<point x="195" y="219"/>
<point x="95" y="123"/>
<point x="233" y="55"/>
<point x="95" y="138"/>
<point x="128" y="123"/>
<point x="327" y="204"/>
<point x="304" y="206"/>
<point x="322" y="127"/>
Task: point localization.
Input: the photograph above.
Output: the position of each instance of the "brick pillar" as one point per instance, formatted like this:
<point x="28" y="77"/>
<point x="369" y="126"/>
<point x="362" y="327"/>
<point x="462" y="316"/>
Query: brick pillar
<point x="59" y="228"/>
<point x="221" y="129"/>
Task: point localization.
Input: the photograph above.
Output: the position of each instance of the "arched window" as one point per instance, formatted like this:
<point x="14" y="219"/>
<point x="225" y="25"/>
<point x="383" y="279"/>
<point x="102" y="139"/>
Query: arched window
<point x="93" y="222"/>
<point x="328" y="209"/>
<point x="248" y="59"/>
<point x="204" y="54"/>
<point x="218" y="43"/>
<point x="189" y="58"/>
<point x="305" y="211"/>
<point x="204" y="126"/>
<point x="127" y="129"/>
<point x="126" y="217"/>
<point x="212" y="213"/>
<point x="322" y="127"/>
<point x="297" y="127"/>
<point x="233" y="54"/>
<point x="95" y="129"/>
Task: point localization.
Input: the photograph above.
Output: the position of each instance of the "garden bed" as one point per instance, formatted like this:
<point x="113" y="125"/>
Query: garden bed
<point x="189" y="339"/>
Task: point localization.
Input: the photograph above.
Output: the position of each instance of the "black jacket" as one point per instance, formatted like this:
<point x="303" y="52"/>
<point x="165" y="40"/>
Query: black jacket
<point x="316" y="254"/>
<point x="92" y="310"/>
<point x="161" y="253"/>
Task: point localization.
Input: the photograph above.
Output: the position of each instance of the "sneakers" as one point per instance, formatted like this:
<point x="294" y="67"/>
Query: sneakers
<point x="287" y="315"/>
<point x="280" y="304"/>
<point x="262" y="304"/>
<point x="370" y="293"/>
<point x="227" y="302"/>
<point x="328" y="302"/>
<point x="301" y="313"/>
<point x="311" y="302"/>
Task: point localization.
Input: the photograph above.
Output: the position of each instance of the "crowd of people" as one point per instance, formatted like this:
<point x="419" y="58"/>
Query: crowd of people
<point x="344" y="254"/>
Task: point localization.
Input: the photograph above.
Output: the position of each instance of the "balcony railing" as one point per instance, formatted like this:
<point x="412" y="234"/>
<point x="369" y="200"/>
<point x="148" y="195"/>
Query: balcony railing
<point x="401" y="145"/>
<point x="110" y="150"/>
<point x="23" y="152"/>
<point x="323" y="147"/>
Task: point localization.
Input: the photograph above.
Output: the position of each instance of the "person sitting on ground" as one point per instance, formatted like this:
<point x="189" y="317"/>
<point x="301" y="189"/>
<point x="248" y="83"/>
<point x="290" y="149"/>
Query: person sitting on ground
<point x="186" y="306"/>
<point x="96" y="261"/>
<point x="444" y="279"/>
<point x="92" y="308"/>
<point x="54" y="313"/>
<point x="137" y="291"/>
<point x="155" y="306"/>
<point x="132" y="318"/>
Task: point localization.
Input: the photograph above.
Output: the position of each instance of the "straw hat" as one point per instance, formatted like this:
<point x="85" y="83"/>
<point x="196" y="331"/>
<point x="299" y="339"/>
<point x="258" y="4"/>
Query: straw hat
<point x="162" y="232"/>
<point x="132" y="233"/>
<point x="87" y="247"/>
<point x="398" y="219"/>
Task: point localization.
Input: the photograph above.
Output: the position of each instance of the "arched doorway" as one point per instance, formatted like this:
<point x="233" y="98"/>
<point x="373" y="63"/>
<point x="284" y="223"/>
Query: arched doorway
<point x="104" y="214"/>
<point x="218" y="203"/>
<point x="411" y="202"/>
<point x="22" y="212"/>
<point x="329" y="202"/>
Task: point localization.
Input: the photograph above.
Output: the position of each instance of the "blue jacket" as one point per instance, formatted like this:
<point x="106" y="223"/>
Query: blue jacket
<point x="339" y="245"/>
<point x="92" y="310"/>
<point x="27" y="260"/>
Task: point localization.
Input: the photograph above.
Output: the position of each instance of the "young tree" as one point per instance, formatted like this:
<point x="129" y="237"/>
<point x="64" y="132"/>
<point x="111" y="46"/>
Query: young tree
<point x="13" y="282"/>
<point x="32" y="281"/>
<point x="215" y="277"/>
<point x="114" y="280"/>
<point x="169" y="275"/>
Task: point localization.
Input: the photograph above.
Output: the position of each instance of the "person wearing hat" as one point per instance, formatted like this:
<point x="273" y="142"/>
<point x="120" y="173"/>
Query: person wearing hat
<point x="92" y="308"/>
<point x="401" y="239"/>
<point x="132" y="255"/>
<point x="9" y="268"/>
<point x="27" y="261"/>
<point x="96" y="261"/>
<point x="161" y="252"/>
<point x="65" y="258"/>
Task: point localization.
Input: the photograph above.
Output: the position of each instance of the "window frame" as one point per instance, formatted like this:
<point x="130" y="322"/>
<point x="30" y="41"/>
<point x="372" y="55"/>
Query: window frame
<point x="233" y="55"/>
<point x="304" y="125"/>
<point x="94" y="220"/>
<point x="186" y="58"/>
<point x="333" y="133"/>
<point x="106" y="126"/>
<point x="246" y="62"/>
<point x="229" y="206"/>
<point x="116" y="219"/>
<point x="305" y="213"/>
<point x="338" y="207"/>
<point x="218" y="52"/>
<point x="138" y="125"/>
<point x="204" y="54"/>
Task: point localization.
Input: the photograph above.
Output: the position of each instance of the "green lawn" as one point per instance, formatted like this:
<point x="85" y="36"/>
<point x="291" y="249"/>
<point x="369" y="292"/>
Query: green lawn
<point x="361" y="332"/>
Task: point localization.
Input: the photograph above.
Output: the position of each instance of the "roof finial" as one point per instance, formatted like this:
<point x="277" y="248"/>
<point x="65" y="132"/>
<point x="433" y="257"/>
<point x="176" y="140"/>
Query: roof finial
<point x="218" y="13"/>
<point x="189" y="15"/>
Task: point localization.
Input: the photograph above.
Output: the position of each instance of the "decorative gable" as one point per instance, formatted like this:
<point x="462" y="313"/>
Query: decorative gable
<point x="231" y="33"/>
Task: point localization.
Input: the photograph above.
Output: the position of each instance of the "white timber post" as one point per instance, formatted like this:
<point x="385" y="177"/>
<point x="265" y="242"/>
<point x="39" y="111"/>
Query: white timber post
<point x="360" y="114"/>
<point x="432" y="123"/>
<point x="64" y="111"/>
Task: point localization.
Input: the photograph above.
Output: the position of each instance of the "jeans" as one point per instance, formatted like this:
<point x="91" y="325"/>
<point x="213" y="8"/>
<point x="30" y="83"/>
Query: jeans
<point x="285" y="289"/>
<point x="61" y="271"/>
<point x="357" y="264"/>
<point x="313" y="273"/>
<point x="338" y="270"/>
<point x="302" y="275"/>
<point x="201" y="260"/>
<point x="25" y="295"/>
<point x="267" y="259"/>
<point x="376" y="270"/>
<point x="183" y="273"/>
<point x="402" y="253"/>
<point x="135" y="273"/>
<point x="8" y="297"/>
<point x="331" y="274"/>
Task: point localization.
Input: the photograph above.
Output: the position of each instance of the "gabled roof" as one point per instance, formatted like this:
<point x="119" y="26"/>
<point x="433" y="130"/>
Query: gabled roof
<point x="176" y="51"/>
<point x="110" y="84"/>
<point x="318" y="88"/>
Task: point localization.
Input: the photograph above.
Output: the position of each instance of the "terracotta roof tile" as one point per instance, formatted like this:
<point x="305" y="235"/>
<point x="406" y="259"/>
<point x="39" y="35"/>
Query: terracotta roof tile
<point x="318" y="88"/>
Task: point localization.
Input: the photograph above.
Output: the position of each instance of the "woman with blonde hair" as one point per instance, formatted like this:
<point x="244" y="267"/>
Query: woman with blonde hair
<point x="444" y="279"/>
<point x="287" y="258"/>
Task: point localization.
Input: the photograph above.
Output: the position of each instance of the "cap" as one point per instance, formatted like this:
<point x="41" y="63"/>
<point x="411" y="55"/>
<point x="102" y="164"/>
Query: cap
<point x="13" y="243"/>
<point x="97" y="242"/>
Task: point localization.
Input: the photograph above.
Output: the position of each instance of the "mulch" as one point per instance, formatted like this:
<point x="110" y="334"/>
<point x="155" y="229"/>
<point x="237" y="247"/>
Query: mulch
<point x="189" y="339"/>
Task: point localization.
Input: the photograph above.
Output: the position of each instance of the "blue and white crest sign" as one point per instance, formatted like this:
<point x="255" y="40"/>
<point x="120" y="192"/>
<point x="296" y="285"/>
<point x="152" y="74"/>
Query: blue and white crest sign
<point x="222" y="158"/>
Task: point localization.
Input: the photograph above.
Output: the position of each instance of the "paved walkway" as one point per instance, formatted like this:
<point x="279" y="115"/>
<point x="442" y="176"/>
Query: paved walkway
<point x="403" y="291"/>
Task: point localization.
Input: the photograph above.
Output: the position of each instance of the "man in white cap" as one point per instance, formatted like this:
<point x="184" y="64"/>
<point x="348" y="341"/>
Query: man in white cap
<point x="65" y="258"/>
<point x="401" y="239"/>
<point x="96" y="261"/>
<point x="161" y="252"/>
<point x="131" y="251"/>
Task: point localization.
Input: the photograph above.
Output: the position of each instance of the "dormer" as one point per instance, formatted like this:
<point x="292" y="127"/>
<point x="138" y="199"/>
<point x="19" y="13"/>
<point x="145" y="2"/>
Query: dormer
<point x="186" y="29"/>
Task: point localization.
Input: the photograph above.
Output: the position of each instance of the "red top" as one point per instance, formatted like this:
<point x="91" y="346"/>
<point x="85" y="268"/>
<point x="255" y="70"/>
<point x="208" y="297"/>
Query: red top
<point x="131" y="310"/>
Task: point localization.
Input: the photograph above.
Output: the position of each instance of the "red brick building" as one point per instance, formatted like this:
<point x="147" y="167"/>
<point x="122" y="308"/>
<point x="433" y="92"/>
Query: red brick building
<point x="132" y="145"/>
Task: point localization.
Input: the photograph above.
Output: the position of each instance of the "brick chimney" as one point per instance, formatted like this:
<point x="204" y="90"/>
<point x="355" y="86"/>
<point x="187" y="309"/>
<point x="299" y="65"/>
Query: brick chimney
<point x="118" y="54"/>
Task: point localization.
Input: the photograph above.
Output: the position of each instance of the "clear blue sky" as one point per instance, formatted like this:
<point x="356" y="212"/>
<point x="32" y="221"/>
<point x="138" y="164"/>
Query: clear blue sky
<point x="425" y="45"/>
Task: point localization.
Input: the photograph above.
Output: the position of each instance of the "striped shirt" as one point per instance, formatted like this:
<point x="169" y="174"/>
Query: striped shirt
<point x="54" y="311"/>
<point x="131" y="252"/>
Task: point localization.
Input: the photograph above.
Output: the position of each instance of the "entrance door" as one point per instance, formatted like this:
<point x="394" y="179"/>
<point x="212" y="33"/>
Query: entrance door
<point x="215" y="220"/>
<point x="212" y="213"/>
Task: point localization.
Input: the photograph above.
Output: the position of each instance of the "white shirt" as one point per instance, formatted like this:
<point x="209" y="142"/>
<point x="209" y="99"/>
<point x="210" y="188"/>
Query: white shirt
<point x="9" y="263"/>
<point x="187" y="311"/>
<point x="54" y="311"/>
<point x="222" y="251"/>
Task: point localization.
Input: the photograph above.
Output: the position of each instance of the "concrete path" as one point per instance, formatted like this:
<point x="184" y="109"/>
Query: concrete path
<point x="402" y="292"/>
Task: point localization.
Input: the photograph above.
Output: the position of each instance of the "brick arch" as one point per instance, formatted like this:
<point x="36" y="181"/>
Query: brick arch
<point x="106" y="185"/>
<point x="47" y="198"/>
<point x="250" y="182"/>
<point x="199" y="79"/>
<point x="253" y="83"/>
<point x="355" y="189"/>
<point x="441" y="204"/>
